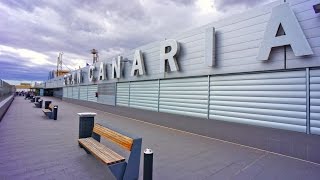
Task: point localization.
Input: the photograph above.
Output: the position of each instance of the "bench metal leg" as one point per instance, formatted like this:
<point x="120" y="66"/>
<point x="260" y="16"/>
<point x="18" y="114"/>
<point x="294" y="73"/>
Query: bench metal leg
<point x="118" y="170"/>
<point x="88" y="152"/>
<point x="132" y="170"/>
<point x="95" y="136"/>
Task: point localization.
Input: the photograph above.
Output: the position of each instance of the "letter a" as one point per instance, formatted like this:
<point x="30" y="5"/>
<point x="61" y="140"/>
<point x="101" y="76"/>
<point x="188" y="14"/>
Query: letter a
<point x="283" y="16"/>
<point x="138" y="64"/>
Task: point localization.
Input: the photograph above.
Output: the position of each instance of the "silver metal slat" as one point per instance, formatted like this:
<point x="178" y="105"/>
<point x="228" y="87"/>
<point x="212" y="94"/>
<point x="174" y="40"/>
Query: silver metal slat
<point x="75" y="92"/>
<point x="273" y="99"/>
<point x="144" y="95"/>
<point x="315" y="101"/>
<point x="83" y="93"/>
<point x="122" y="98"/>
<point x="65" y="92"/>
<point x="188" y="96"/>
<point x="70" y="92"/>
<point x="92" y="93"/>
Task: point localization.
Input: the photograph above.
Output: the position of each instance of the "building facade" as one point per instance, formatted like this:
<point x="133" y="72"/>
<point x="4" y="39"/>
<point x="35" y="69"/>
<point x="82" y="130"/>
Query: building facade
<point x="260" y="68"/>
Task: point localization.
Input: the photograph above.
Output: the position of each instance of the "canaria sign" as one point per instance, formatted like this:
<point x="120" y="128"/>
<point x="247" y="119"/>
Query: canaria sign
<point x="282" y="17"/>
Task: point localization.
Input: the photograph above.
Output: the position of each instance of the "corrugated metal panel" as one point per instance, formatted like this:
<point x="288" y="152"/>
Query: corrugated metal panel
<point x="107" y="93"/>
<point x="309" y="22"/>
<point x="276" y="100"/>
<point x="122" y="94"/>
<point x="75" y="92"/>
<point x="144" y="95"/>
<point x="187" y="96"/>
<point x="65" y="92"/>
<point x="57" y="92"/>
<point x="92" y="93"/>
<point x="69" y="92"/>
<point x="315" y="101"/>
<point x="83" y="93"/>
<point x="107" y="89"/>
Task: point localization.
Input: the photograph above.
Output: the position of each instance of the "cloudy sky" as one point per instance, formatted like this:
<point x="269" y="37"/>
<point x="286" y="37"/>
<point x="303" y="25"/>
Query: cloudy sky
<point x="33" y="32"/>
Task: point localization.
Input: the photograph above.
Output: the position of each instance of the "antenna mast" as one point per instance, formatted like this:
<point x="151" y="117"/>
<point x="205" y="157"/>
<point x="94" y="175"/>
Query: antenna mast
<point x="59" y="63"/>
<point x="95" y="55"/>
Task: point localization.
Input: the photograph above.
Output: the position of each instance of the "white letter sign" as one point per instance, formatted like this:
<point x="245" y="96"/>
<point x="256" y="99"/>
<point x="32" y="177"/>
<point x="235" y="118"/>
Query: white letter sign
<point x="79" y="76"/>
<point x="102" y="74"/>
<point x="90" y="73"/>
<point x="283" y="15"/>
<point x="138" y="64"/>
<point x="116" y="68"/>
<point x="169" y="49"/>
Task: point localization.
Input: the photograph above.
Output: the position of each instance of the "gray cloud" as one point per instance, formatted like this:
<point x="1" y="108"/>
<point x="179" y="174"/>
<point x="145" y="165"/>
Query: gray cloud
<point x="225" y="5"/>
<point x="76" y="26"/>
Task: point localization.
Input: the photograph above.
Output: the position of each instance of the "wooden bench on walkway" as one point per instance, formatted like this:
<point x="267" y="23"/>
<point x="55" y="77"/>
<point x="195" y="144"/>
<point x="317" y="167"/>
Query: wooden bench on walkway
<point x="50" y="111"/>
<point x="116" y="163"/>
<point x="39" y="103"/>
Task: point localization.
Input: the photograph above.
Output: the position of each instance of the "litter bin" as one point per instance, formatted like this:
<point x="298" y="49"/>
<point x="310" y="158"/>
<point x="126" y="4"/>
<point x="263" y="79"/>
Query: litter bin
<point x="46" y="104"/>
<point x="86" y="123"/>
<point x="40" y="103"/>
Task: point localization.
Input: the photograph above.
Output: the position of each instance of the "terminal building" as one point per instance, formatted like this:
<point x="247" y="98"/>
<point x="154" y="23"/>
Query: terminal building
<point x="260" y="68"/>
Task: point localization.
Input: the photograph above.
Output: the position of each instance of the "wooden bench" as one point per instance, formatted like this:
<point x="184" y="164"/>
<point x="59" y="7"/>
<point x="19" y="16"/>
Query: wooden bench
<point x="39" y="103"/>
<point x="32" y="99"/>
<point x="49" y="112"/>
<point x="116" y="163"/>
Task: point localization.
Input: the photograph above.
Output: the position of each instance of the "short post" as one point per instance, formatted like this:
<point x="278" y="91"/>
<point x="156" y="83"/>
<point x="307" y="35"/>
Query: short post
<point x="46" y="104"/>
<point x="148" y="164"/>
<point x="37" y="99"/>
<point x="86" y="123"/>
<point x="55" y="112"/>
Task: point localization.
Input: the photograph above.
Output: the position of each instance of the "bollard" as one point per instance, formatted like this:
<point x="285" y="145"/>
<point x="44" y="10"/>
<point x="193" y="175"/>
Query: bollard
<point x="148" y="164"/>
<point x="37" y="99"/>
<point x="86" y="123"/>
<point x="46" y="104"/>
<point x="55" y="112"/>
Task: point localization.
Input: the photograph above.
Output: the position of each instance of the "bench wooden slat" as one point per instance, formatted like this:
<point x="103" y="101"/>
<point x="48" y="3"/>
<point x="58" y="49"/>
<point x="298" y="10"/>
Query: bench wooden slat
<point x="46" y="110"/>
<point x="51" y="106"/>
<point x="122" y="140"/>
<point x="100" y="151"/>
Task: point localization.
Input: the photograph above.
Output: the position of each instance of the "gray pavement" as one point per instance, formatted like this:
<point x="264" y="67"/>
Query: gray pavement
<point x="34" y="147"/>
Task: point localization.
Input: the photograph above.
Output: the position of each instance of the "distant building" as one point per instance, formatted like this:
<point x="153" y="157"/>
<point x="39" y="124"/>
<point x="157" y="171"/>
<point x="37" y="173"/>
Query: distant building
<point x="23" y="87"/>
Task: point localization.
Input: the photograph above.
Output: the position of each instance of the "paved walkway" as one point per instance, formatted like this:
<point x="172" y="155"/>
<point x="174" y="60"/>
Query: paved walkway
<point x="34" y="147"/>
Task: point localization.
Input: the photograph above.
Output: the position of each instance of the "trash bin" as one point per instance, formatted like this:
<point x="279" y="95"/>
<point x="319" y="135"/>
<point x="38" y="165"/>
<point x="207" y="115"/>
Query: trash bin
<point x="40" y="103"/>
<point x="46" y="104"/>
<point x="86" y="123"/>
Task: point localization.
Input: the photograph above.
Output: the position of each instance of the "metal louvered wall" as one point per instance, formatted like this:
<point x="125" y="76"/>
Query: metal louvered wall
<point x="92" y="93"/>
<point x="188" y="96"/>
<point x="83" y="93"/>
<point x="276" y="99"/>
<point x="123" y="94"/>
<point x="65" y="92"/>
<point x="107" y="93"/>
<point x="315" y="101"/>
<point x="75" y="92"/>
<point x="144" y="95"/>
<point x="69" y="92"/>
